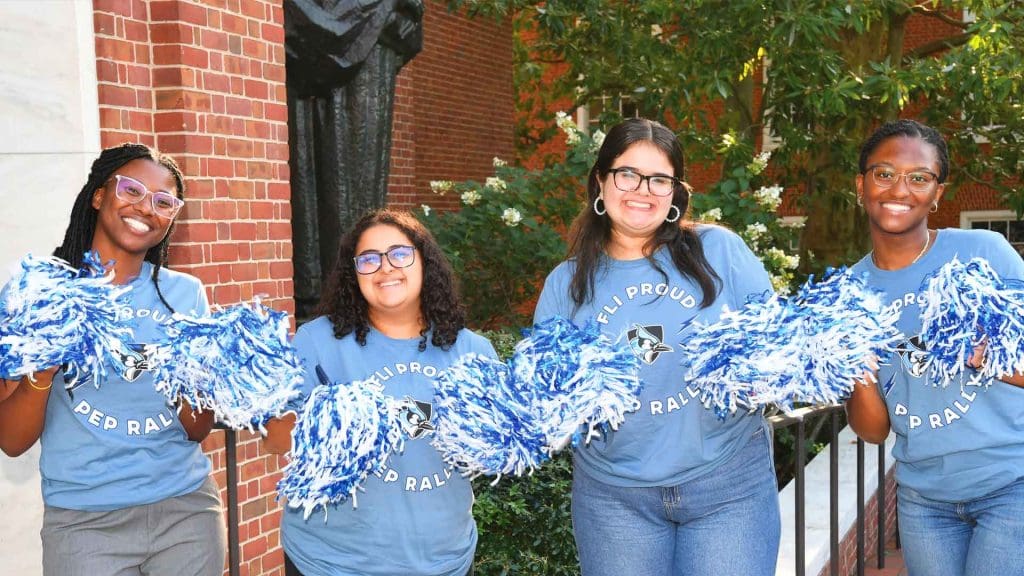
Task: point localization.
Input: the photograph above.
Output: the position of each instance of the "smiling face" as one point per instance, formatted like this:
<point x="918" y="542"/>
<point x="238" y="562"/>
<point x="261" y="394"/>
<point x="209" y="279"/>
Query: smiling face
<point x="128" y="231"/>
<point x="390" y="291"/>
<point x="637" y="214"/>
<point x="897" y="210"/>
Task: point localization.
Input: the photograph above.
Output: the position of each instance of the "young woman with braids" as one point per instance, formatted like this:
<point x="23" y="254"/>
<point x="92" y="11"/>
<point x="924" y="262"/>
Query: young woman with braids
<point x="959" y="446"/>
<point x="390" y="312"/>
<point x="126" y="487"/>
<point x="674" y="490"/>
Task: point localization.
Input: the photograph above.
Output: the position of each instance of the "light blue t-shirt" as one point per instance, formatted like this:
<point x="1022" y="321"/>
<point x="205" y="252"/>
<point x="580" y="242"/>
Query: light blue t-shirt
<point x="415" y="517"/>
<point x="955" y="443"/>
<point x="672" y="438"/>
<point x="122" y="445"/>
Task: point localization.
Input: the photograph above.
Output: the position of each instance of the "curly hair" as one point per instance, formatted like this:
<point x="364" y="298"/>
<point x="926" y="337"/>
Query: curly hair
<point x="344" y="304"/>
<point x="82" y="225"/>
<point x="909" y="129"/>
<point x="591" y="232"/>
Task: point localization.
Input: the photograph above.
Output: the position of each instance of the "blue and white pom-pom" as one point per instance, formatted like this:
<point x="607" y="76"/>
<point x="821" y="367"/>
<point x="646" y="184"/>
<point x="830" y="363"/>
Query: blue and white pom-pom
<point x="54" y="315"/>
<point x="968" y="305"/>
<point x="484" y="420"/>
<point x="237" y="362"/>
<point x="810" y="348"/>
<point x="344" y="433"/>
<point x="581" y="381"/>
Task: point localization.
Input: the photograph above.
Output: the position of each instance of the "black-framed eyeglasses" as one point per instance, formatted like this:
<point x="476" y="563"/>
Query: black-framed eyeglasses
<point x="917" y="181"/>
<point x="629" y="180"/>
<point x="130" y="190"/>
<point x="399" y="256"/>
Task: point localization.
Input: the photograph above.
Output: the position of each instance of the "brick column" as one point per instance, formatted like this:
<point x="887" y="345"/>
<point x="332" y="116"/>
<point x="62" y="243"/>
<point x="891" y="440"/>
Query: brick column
<point x="204" y="80"/>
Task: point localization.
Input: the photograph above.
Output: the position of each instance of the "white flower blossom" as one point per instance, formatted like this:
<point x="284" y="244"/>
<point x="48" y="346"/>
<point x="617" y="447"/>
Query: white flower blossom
<point x="511" y="217"/>
<point x="780" y="284"/>
<point x="426" y="209"/>
<point x="498" y="162"/>
<point x="755" y="231"/>
<point x="568" y="125"/>
<point x="496" y="184"/>
<point x="781" y="259"/>
<point x="597" y="140"/>
<point x="759" y="163"/>
<point x="439" y="187"/>
<point x="770" y="197"/>
<point x="713" y="215"/>
<point x="470" y="197"/>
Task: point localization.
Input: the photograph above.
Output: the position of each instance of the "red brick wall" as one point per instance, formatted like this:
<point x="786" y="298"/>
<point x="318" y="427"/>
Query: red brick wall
<point x="454" y="107"/>
<point x="203" y="80"/>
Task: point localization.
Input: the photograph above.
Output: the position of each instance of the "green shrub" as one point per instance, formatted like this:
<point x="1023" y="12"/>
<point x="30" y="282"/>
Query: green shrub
<point x="508" y="233"/>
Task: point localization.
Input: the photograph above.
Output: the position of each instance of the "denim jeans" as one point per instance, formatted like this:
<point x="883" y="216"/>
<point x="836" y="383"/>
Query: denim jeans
<point x="981" y="537"/>
<point x="725" y="523"/>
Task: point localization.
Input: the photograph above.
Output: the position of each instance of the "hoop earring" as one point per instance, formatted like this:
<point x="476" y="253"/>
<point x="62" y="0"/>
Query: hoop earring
<point x="935" y="208"/>
<point x="860" y="201"/>
<point x="599" y="211"/>
<point x="678" y="213"/>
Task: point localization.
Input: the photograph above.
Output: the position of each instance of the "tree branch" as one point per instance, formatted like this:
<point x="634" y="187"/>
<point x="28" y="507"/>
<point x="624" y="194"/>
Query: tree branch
<point x="934" y="46"/>
<point x="934" y="13"/>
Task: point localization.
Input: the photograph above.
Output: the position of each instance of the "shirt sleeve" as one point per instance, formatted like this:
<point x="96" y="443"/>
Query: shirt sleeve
<point x="742" y="273"/>
<point x="1004" y="259"/>
<point x="305" y="346"/>
<point x="554" y="297"/>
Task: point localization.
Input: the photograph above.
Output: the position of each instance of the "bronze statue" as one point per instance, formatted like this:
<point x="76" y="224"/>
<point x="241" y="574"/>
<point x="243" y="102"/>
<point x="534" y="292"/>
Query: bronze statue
<point x="342" y="60"/>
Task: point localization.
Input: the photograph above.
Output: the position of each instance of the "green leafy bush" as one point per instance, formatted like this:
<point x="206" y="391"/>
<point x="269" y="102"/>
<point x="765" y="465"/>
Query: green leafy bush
<point x="525" y="524"/>
<point x="508" y="233"/>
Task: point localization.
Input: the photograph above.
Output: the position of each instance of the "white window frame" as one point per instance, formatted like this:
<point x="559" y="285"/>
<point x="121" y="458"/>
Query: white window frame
<point x="969" y="216"/>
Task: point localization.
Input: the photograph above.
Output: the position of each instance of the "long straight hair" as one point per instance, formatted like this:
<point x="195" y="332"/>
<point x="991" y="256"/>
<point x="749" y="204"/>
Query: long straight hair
<point x="591" y="232"/>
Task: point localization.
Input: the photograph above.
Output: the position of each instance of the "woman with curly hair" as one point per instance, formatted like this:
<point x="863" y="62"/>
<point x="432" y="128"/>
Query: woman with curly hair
<point x="390" y="313"/>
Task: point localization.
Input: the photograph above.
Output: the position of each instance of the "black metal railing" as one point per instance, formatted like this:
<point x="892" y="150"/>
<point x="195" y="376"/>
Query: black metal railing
<point x="799" y="420"/>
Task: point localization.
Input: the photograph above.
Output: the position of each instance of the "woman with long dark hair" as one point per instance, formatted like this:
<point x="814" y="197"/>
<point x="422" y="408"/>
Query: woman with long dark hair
<point x="674" y="490"/>
<point x="126" y="487"/>
<point x="959" y="447"/>
<point x="389" y="313"/>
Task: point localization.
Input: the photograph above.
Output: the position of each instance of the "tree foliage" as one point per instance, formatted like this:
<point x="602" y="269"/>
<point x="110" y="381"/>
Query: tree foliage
<point x="817" y="76"/>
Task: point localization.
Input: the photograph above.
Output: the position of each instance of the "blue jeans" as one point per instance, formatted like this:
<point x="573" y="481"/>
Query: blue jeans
<point x="981" y="537"/>
<point x="726" y="522"/>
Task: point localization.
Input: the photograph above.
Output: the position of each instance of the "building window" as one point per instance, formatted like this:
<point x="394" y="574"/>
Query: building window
<point x="588" y="117"/>
<point x="1003" y="221"/>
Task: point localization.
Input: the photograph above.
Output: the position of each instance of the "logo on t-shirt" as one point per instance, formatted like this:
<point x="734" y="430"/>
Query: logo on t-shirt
<point x="647" y="342"/>
<point x="415" y="417"/>
<point x="129" y="363"/>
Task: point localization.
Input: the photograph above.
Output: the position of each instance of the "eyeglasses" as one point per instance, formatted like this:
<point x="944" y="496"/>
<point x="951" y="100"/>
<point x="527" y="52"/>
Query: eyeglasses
<point x="629" y="180"/>
<point x="130" y="190"/>
<point x="398" y="256"/>
<point x="917" y="181"/>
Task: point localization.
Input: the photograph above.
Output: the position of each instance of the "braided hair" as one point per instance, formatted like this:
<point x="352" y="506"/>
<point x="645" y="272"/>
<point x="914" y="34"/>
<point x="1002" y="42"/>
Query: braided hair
<point x="82" y="226"/>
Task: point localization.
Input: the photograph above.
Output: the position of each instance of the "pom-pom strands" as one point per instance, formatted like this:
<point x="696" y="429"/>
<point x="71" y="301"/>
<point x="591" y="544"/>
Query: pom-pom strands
<point x="968" y="305"/>
<point x="776" y="350"/>
<point x="485" y="421"/>
<point x="54" y="315"/>
<point x="237" y="362"/>
<point x="345" y="433"/>
<point x="580" y="378"/>
<point x="498" y="419"/>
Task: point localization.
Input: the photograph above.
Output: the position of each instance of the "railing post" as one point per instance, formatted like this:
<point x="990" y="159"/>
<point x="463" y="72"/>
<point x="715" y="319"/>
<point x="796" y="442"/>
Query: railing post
<point x="881" y="505"/>
<point x="231" y="469"/>
<point x="833" y="496"/>
<point x="801" y="526"/>
<point x="860" y="508"/>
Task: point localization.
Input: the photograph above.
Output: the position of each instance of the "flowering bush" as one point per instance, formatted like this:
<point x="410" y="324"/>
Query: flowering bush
<point x="734" y="202"/>
<point x="508" y="233"/>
